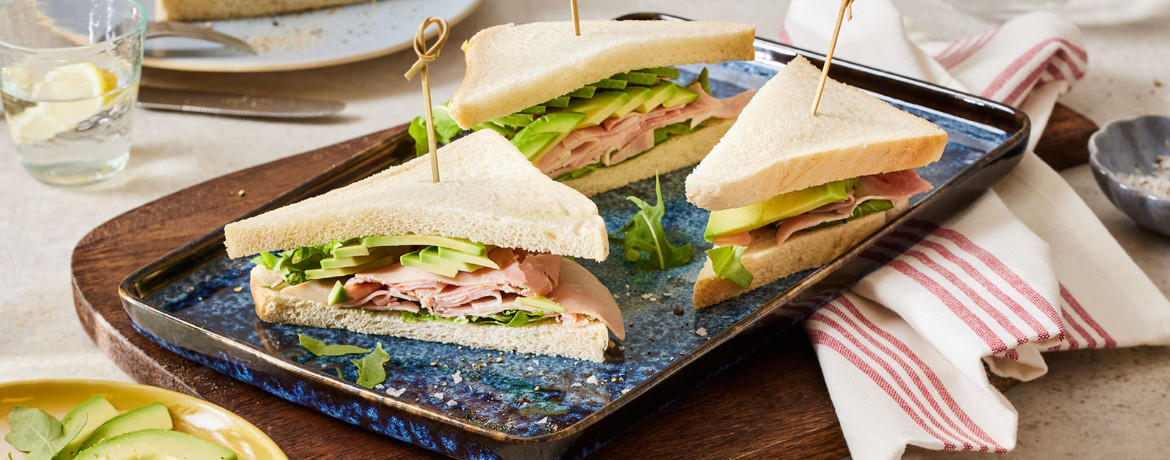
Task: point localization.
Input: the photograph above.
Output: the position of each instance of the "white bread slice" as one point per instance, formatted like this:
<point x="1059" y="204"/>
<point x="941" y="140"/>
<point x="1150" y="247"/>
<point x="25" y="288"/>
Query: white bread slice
<point x="676" y="153"/>
<point x="488" y="193"/>
<point x="512" y="67"/>
<point x="192" y="10"/>
<point x="545" y="337"/>
<point x="768" y="261"/>
<point x="776" y="146"/>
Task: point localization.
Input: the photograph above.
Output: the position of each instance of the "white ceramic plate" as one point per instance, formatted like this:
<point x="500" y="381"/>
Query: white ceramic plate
<point x="305" y="40"/>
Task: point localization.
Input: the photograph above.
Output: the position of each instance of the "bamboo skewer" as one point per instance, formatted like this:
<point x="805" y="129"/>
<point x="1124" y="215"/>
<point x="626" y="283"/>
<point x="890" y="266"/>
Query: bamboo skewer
<point x="426" y="56"/>
<point x="845" y="5"/>
<point x="576" y="18"/>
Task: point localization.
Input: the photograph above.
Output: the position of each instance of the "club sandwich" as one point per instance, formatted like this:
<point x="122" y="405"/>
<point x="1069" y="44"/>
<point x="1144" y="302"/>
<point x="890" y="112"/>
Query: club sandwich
<point x="475" y="259"/>
<point x="790" y="191"/>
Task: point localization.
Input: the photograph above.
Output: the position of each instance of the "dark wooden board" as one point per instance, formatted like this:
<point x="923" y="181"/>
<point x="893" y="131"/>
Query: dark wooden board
<point x="772" y="404"/>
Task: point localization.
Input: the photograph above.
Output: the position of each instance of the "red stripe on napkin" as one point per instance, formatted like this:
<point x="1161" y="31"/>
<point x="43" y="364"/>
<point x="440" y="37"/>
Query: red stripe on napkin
<point x="977" y="326"/>
<point x="992" y="262"/>
<point x="1072" y="304"/>
<point x="844" y="308"/>
<point x="962" y="55"/>
<point x="822" y="338"/>
<point x="1020" y="62"/>
<point x="969" y="269"/>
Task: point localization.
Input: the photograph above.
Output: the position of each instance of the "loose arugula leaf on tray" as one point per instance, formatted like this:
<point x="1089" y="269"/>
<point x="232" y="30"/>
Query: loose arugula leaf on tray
<point x="371" y="368"/>
<point x="725" y="262"/>
<point x="320" y="348"/>
<point x="644" y="233"/>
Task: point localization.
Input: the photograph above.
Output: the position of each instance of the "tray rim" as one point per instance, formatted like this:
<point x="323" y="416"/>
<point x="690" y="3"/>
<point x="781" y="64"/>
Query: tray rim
<point x="361" y="162"/>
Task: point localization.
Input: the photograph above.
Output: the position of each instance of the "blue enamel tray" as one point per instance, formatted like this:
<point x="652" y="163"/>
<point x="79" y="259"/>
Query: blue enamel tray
<point x="474" y="403"/>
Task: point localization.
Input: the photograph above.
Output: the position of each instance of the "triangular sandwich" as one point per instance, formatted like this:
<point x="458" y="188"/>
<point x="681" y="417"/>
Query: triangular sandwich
<point x="601" y="109"/>
<point x="797" y="190"/>
<point x="475" y="259"/>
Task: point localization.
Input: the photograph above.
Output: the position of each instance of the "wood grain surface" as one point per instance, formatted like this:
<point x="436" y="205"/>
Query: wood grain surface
<point x="772" y="404"/>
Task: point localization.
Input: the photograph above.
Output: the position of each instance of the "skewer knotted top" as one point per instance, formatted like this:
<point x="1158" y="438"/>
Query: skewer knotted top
<point x="427" y="55"/>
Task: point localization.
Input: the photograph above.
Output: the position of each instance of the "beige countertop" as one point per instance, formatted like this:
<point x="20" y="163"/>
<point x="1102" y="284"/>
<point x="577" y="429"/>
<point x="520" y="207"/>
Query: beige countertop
<point x="1092" y="404"/>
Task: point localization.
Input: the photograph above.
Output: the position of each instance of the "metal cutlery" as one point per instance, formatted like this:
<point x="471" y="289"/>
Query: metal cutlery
<point x="155" y="29"/>
<point x="236" y="105"/>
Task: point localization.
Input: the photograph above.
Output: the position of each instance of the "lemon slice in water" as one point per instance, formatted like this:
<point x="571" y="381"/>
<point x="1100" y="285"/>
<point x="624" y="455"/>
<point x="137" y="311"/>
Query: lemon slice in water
<point x="66" y="96"/>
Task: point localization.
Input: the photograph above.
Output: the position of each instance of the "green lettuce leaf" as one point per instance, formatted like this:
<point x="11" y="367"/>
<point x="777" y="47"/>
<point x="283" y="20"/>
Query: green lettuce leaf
<point x="320" y="348"/>
<point x="669" y="131"/>
<point x="703" y="82"/>
<point x="372" y="368"/>
<point x="510" y="318"/>
<point x="445" y="129"/>
<point x="644" y="233"/>
<point x="725" y="262"/>
<point x="292" y="263"/>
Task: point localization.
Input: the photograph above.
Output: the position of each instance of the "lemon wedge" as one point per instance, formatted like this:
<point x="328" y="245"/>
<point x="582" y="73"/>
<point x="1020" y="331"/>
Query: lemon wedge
<point x="66" y="96"/>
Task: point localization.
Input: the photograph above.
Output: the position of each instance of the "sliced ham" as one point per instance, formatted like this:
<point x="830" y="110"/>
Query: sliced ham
<point x="484" y="292"/>
<point x="891" y="186"/>
<point x="617" y="139"/>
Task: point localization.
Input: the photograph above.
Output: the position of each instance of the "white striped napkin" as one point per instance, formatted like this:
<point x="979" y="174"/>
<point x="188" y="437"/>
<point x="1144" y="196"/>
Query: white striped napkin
<point x="1026" y="269"/>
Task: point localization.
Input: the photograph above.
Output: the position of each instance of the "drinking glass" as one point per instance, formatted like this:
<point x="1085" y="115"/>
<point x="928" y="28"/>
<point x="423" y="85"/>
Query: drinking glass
<point x="69" y="74"/>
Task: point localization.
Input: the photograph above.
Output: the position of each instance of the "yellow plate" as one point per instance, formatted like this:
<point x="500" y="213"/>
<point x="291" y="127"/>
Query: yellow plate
<point x="190" y="415"/>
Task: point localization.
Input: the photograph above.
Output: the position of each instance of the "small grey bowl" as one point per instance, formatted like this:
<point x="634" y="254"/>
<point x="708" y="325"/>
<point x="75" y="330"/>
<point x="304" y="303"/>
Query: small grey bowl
<point x="1127" y="146"/>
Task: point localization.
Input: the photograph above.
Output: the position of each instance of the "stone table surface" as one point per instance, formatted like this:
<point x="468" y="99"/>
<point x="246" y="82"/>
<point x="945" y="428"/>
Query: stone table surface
<point x="1092" y="404"/>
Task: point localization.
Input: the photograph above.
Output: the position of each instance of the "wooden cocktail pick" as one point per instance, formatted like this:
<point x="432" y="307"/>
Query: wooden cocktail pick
<point x="845" y="5"/>
<point x="576" y="18"/>
<point x="426" y="56"/>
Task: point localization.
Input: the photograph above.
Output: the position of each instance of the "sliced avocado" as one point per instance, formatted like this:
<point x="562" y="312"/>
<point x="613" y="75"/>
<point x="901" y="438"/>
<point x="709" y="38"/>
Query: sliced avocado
<point x="413" y="259"/>
<point x="156" y="444"/>
<point x="503" y="130"/>
<point x="598" y="108"/>
<point x="584" y="92"/>
<point x="637" y="78"/>
<point x="515" y="120"/>
<point x="342" y="262"/>
<point x="638" y="96"/>
<point x="541" y="303"/>
<point x="558" y="101"/>
<point x="149" y="416"/>
<point x="482" y="261"/>
<point x="782" y="206"/>
<point x="350" y="250"/>
<point x="459" y="244"/>
<point x="337" y="294"/>
<point x="431" y="255"/>
<point x="659" y="94"/>
<point x="681" y="96"/>
<point x="535" y="110"/>
<point x="610" y="83"/>
<point x="668" y="72"/>
<point x="533" y="143"/>
<point x="94" y="412"/>
<point x="544" y="133"/>
<point x="322" y="273"/>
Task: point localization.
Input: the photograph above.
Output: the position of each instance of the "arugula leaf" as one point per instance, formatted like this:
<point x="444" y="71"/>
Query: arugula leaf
<point x="371" y="368"/>
<point x="644" y="233"/>
<point x="319" y="348"/>
<point x="703" y="81"/>
<point x="445" y="129"/>
<point x="292" y="263"/>
<point x="865" y="208"/>
<point x="31" y="428"/>
<point x="725" y="262"/>
<point x="37" y="433"/>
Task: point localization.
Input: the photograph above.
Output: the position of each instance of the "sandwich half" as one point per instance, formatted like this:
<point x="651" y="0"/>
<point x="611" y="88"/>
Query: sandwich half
<point x="600" y="110"/>
<point x="791" y="191"/>
<point x="475" y="259"/>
